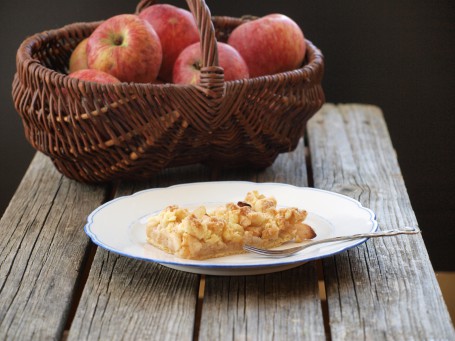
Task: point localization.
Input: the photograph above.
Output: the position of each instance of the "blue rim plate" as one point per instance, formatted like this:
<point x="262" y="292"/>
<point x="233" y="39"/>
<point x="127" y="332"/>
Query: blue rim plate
<point x="119" y="225"/>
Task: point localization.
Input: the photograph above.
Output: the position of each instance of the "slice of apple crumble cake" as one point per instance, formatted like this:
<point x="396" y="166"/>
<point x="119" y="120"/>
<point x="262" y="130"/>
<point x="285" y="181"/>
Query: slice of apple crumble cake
<point x="202" y="234"/>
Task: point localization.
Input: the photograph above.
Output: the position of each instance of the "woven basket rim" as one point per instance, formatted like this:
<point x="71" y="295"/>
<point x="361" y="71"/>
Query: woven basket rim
<point x="24" y="55"/>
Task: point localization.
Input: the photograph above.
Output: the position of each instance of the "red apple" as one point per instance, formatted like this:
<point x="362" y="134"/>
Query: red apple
<point x="187" y="68"/>
<point x="90" y="75"/>
<point x="177" y="30"/>
<point x="271" y="44"/>
<point x="78" y="59"/>
<point x="93" y="75"/>
<point x="126" y="47"/>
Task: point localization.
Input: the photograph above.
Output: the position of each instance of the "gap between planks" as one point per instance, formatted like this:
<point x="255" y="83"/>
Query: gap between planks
<point x="111" y="189"/>
<point x="199" y="303"/>
<point x="318" y="263"/>
<point x="323" y="298"/>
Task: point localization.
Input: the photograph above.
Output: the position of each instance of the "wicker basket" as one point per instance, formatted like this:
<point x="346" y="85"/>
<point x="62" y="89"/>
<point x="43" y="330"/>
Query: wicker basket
<point x="100" y="132"/>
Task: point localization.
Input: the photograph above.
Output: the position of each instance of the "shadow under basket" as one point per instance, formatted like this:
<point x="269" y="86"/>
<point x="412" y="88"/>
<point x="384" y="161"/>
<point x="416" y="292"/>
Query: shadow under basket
<point x="101" y="132"/>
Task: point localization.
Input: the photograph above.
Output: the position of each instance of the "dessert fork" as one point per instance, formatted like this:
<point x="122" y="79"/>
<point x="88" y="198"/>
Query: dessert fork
<point x="290" y="251"/>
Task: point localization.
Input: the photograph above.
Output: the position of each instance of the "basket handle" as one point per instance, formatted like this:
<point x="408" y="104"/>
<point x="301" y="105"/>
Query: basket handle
<point x="212" y="75"/>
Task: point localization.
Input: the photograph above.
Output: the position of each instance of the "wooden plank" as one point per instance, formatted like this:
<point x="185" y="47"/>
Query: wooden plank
<point x="279" y="306"/>
<point x="42" y="250"/>
<point x="385" y="288"/>
<point x="283" y="305"/>
<point x="130" y="299"/>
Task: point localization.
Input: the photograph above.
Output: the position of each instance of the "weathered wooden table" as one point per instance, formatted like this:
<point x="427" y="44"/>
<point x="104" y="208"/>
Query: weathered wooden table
<point x="56" y="284"/>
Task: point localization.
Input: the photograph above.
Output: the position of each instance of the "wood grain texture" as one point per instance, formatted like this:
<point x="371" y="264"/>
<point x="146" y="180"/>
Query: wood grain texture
<point x="42" y="250"/>
<point x="386" y="288"/>
<point x="130" y="299"/>
<point x="287" y="168"/>
<point x="127" y="299"/>
<point x="279" y="306"/>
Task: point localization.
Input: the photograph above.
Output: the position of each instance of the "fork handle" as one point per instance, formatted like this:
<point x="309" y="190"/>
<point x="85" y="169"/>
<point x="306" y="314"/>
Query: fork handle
<point x="290" y="251"/>
<point x="386" y="233"/>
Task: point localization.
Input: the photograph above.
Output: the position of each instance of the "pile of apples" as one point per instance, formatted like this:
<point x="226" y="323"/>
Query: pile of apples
<point x="162" y="45"/>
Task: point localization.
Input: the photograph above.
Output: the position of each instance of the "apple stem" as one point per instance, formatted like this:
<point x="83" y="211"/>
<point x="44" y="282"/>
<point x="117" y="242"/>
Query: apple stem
<point x="197" y="65"/>
<point x="118" y="40"/>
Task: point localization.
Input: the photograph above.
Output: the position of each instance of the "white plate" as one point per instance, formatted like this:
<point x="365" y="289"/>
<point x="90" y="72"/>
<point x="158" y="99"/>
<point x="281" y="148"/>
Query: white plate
<point x="119" y="225"/>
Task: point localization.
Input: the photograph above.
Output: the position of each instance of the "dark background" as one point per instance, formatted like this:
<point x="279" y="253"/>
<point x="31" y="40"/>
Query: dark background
<point x="396" y="54"/>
